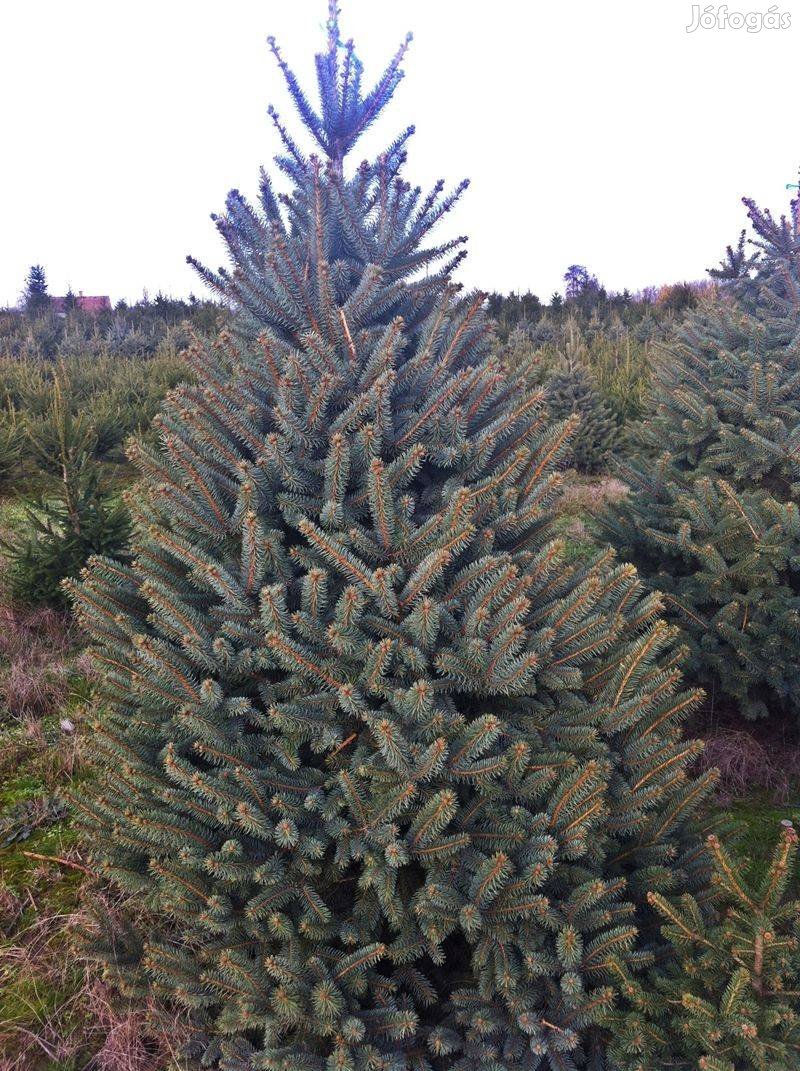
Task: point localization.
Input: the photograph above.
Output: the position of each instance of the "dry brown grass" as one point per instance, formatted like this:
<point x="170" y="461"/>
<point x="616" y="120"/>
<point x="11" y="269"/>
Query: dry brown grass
<point x="62" y="1013"/>
<point x="588" y="495"/>
<point x="747" y="765"/>
<point x="56" y="1011"/>
<point x="34" y="670"/>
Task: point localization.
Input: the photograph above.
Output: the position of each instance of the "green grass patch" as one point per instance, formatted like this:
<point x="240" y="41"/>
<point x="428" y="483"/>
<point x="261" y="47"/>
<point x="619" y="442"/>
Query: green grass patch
<point x="13" y="513"/>
<point x="758" y="821"/>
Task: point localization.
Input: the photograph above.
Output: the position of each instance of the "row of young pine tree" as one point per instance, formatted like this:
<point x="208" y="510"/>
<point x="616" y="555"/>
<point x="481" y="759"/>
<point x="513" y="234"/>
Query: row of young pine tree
<point x="392" y="783"/>
<point x="713" y="467"/>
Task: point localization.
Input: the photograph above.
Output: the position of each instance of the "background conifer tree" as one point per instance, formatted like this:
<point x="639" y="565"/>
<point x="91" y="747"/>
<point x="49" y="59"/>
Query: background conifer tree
<point x="712" y="520"/>
<point x="75" y="515"/>
<point x="394" y="778"/>
<point x="37" y="300"/>
<point x="571" y="389"/>
<point x="70" y="301"/>
<point x="730" y="1000"/>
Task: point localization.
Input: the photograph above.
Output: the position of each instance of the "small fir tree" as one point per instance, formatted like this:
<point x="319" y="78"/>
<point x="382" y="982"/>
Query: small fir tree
<point x="73" y="518"/>
<point x="395" y="778"/>
<point x="731" y="999"/>
<point x="571" y="389"/>
<point x="37" y="299"/>
<point x="712" y="520"/>
<point x="11" y="442"/>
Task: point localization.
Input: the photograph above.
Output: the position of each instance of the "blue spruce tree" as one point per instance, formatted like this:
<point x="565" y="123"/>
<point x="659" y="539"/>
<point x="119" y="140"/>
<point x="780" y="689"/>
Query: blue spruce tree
<point x="394" y="778"/>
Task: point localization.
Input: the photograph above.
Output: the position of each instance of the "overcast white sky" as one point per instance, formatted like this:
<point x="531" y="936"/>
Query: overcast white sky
<point x="601" y="133"/>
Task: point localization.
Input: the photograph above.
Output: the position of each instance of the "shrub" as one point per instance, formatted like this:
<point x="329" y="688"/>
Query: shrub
<point x="105" y="400"/>
<point x="617" y="364"/>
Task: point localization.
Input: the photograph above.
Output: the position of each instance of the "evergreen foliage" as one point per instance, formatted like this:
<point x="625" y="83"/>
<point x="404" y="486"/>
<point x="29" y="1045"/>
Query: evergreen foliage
<point x="148" y="328"/>
<point x="712" y="520"/>
<point x="511" y="311"/>
<point x="571" y="390"/>
<point x="396" y="778"/>
<point x="102" y="400"/>
<point x="10" y="446"/>
<point x="62" y="530"/>
<point x="71" y="520"/>
<point x="730" y="1001"/>
<point x="617" y="363"/>
<point x="37" y="300"/>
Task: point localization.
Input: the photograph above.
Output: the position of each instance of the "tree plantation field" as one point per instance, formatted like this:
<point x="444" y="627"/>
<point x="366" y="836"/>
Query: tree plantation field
<point x="57" y="1008"/>
<point x="393" y="677"/>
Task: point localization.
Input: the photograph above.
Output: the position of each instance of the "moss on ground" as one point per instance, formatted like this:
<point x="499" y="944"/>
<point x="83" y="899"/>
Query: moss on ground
<point x="578" y="544"/>
<point x="48" y="888"/>
<point x="758" y="820"/>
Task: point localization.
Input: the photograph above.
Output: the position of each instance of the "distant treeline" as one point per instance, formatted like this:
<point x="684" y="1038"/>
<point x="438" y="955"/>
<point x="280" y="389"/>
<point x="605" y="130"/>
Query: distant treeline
<point x="147" y="328"/>
<point x="46" y="328"/>
<point x="587" y="298"/>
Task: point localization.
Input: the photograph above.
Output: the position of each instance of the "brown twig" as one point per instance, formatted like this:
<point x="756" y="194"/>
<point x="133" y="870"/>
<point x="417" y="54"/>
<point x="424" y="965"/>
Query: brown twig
<point x="343" y="745"/>
<point x="61" y="862"/>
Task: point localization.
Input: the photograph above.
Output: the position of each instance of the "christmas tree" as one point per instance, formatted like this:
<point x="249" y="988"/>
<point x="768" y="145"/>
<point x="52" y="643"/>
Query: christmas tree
<point x="394" y="779"/>
<point x="571" y="389"/>
<point x="730" y="1002"/>
<point x="712" y="520"/>
<point x="36" y="297"/>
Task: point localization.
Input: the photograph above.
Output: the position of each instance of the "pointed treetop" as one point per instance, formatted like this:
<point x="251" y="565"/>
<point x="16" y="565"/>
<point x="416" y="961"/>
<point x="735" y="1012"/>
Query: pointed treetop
<point x="345" y="110"/>
<point x="773" y="237"/>
<point x="369" y="216"/>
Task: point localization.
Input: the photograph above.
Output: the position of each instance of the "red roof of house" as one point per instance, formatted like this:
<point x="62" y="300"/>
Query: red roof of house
<point x="100" y="303"/>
